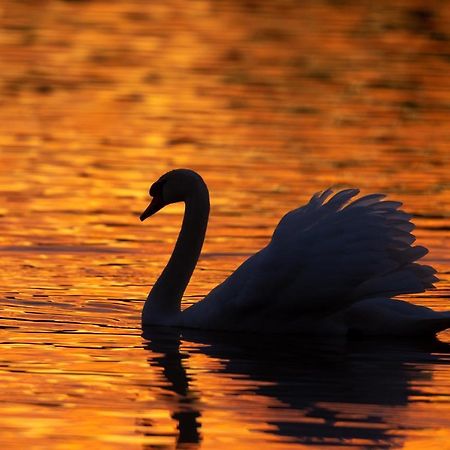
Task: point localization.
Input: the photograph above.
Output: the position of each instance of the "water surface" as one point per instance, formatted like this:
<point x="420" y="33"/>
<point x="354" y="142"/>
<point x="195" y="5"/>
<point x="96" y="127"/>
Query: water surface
<point x="271" y="102"/>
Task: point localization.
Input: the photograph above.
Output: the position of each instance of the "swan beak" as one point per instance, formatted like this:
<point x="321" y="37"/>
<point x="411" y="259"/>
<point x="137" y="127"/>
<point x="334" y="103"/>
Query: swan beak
<point x="155" y="205"/>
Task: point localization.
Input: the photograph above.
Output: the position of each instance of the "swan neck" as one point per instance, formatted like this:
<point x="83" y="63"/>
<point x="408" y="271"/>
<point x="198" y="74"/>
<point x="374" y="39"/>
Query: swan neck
<point x="164" y="300"/>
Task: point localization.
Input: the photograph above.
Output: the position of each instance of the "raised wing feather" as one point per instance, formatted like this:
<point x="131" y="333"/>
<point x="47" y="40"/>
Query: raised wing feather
<point x="326" y="255"/>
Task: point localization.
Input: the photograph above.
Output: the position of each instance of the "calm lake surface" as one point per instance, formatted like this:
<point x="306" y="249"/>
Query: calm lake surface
<point x="270" y="101"/>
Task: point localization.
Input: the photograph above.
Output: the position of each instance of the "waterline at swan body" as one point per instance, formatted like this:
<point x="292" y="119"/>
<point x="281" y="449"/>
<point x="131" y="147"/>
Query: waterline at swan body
<point x="331" y="267"/>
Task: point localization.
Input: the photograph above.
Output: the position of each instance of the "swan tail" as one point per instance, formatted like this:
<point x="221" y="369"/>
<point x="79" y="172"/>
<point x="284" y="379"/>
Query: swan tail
<point x="434" y="325"/>
<point x="383" y="315"/>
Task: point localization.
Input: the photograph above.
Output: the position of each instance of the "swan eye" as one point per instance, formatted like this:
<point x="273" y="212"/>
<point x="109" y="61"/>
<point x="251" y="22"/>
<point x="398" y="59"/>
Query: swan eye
<point x="156" y="189"/>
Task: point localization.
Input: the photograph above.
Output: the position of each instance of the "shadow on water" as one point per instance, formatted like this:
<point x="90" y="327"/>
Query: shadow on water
<point x="316" y="378"/>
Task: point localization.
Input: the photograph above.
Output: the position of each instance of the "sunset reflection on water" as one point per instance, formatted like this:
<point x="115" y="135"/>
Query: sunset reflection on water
<point x="270" y="102"/>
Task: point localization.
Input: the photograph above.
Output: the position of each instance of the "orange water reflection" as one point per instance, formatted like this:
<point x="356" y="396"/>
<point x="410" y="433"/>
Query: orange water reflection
<point x="270" y="101"/>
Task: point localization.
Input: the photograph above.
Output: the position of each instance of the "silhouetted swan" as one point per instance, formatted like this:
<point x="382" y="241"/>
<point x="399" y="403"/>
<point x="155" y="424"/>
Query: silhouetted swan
<point x="330" y="268"/>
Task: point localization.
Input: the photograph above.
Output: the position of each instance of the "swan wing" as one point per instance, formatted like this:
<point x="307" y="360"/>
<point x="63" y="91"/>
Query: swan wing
<point x="327" y="255"/>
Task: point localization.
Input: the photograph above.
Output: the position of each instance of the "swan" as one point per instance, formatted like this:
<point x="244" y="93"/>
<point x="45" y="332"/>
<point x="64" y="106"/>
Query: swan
<point x="331" y="267"/>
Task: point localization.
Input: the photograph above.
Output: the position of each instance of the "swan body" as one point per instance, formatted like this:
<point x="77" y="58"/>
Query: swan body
<point x="331" y="267"/>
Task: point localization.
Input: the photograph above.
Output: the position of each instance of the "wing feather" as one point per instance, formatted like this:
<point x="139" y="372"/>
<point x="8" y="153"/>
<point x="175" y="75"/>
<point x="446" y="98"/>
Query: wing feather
<point x="329" y="254"/>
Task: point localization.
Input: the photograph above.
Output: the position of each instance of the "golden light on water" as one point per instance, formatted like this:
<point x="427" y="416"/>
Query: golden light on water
<point x="270" y="102"/>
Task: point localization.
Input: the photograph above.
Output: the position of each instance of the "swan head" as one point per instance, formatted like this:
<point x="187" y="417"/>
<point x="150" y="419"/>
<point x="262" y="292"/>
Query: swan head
<point x="173" y="187"/>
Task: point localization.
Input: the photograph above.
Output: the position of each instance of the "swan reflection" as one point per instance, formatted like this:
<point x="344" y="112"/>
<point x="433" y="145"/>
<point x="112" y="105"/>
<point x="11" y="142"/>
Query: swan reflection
<point x="164" y="347"/>
<point x="316" y="391"/>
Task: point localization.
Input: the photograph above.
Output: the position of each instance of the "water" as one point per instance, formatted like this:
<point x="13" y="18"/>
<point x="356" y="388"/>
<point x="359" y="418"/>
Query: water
<point x="271" y="102"/>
